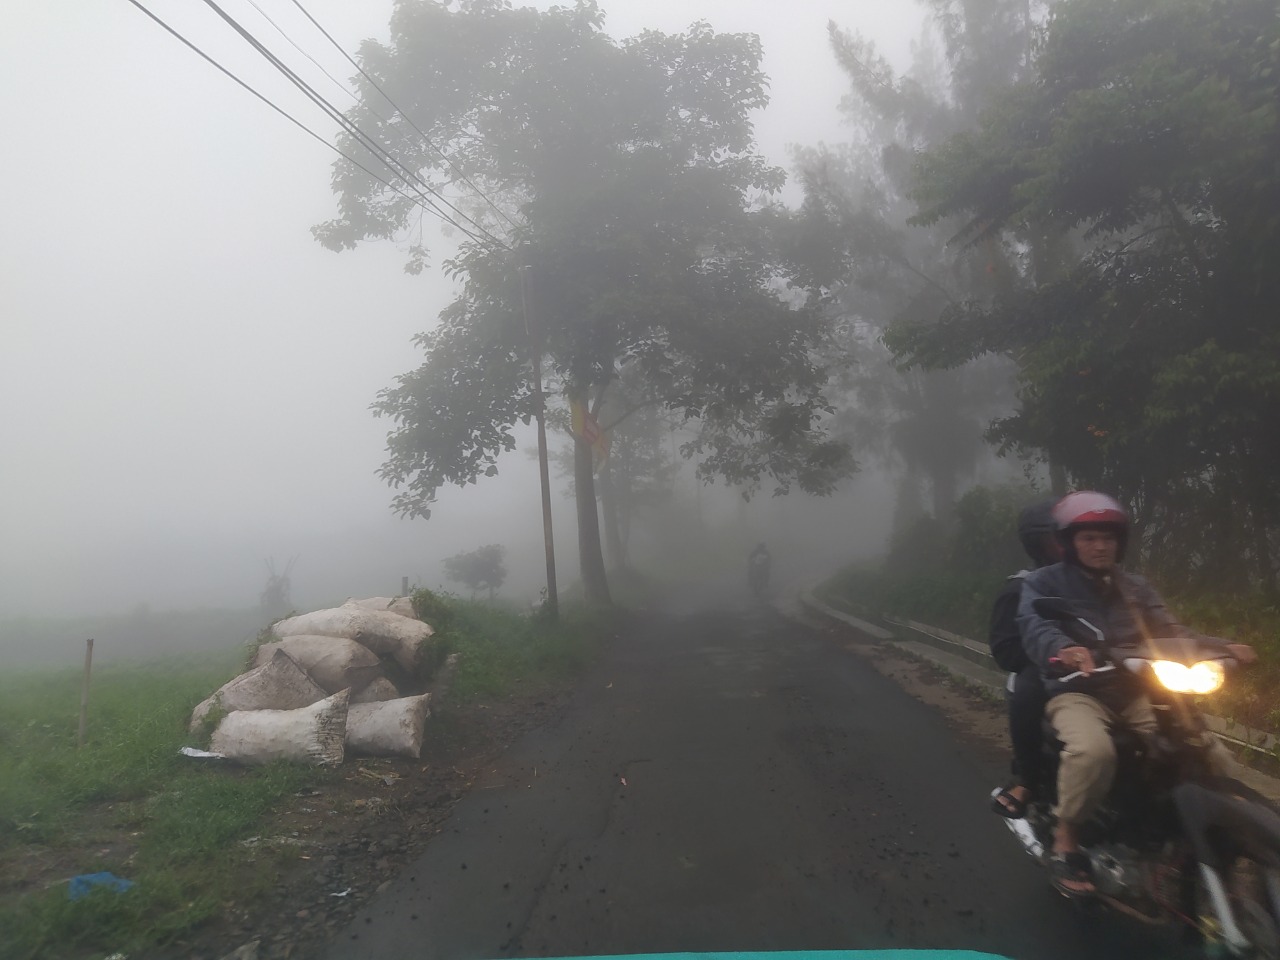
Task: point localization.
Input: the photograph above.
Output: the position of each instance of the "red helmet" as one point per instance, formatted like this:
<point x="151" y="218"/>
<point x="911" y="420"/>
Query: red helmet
<point x="1088" y="508"/>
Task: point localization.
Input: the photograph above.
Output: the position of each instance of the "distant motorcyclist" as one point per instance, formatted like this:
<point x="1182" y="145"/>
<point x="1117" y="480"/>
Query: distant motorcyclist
<point x="758" y="569"/>
<point x="1037" y="531"/>
<point x="1093" y="530"/>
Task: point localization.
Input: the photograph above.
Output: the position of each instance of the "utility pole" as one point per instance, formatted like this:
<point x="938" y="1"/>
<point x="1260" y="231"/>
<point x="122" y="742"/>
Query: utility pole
<point x="535" y="345"/>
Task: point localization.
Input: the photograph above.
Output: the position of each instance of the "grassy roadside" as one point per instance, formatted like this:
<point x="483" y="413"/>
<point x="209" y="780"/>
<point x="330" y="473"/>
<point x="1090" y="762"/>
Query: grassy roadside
<point x="129" y="804"/>
<point x="961" y="603"/>
<point x="499" y="648"/>
<point x="126" y="803"/>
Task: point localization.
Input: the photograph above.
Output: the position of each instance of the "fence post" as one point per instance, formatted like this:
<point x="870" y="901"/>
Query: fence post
<point x="84" y="691"/>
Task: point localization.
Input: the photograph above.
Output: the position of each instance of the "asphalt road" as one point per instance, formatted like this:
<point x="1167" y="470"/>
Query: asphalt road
<point x="734" y="781"/>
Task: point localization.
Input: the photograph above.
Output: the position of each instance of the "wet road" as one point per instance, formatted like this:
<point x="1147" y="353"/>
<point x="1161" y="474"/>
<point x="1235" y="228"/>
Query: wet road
<point x="734" y="781"/>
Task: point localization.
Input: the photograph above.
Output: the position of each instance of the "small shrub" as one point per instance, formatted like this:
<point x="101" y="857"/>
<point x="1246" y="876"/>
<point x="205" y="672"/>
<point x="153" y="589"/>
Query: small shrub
<point x="433" y="608"/>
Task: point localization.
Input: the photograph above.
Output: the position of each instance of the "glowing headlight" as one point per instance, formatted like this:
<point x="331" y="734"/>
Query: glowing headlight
<point x="1205" y="677"/>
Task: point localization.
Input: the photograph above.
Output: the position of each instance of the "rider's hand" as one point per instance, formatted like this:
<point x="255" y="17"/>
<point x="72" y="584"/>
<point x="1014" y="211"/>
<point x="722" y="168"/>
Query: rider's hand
<point x="1077" y="658"/>
<point x="1242" y="652"/>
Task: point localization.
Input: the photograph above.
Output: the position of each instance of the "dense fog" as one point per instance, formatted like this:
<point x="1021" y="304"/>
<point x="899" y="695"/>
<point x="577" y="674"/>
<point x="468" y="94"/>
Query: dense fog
<point x="187" y="374"/>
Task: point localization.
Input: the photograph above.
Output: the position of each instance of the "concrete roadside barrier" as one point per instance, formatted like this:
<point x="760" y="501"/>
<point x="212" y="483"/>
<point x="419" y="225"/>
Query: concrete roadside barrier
<point x="971" y="661"/>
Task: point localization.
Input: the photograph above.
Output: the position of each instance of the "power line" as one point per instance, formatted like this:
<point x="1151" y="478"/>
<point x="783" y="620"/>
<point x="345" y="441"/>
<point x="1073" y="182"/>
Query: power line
<point x="375" y="148"/>
<point x="297" y="123"/>
<point x="293" y="43"/>
<point x="334" y="80"/>
<point x="427" y="140"/>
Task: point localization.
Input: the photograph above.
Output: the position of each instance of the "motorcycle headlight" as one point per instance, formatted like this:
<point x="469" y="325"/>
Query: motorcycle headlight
<point x="1204" y="677"/>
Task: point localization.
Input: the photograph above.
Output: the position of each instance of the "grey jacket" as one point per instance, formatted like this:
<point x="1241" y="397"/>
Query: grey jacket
<point x="1125" y="608"/>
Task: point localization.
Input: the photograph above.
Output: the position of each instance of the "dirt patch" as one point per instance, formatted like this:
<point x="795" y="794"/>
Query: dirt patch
<point x="970" y="709"/>
<point x="334" y="846"/>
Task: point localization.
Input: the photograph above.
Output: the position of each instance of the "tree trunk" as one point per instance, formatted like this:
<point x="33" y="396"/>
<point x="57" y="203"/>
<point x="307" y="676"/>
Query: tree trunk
<point x="595" y="582"/>
<point x="942" y="484"/>
<point x="1057" y="478"/>
<point x="614" y="547"/>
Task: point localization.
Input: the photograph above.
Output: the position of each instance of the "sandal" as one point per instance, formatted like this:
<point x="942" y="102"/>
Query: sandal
<point x="1072" y="875"/>
<point x="1007" y="805"/>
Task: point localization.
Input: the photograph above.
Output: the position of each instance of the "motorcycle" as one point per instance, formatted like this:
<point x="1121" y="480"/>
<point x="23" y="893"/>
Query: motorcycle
<point x="758" y="574"/>
<point x="1171" y="842"/>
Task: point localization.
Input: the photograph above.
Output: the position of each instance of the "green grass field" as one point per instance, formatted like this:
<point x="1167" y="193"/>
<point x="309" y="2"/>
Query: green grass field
<point x="126" y="803"/>
<point x="129" y="803"/>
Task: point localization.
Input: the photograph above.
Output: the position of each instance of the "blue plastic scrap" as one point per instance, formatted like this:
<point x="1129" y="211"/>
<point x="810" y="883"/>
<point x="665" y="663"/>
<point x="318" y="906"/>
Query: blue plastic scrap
<point x="81" y="885"/>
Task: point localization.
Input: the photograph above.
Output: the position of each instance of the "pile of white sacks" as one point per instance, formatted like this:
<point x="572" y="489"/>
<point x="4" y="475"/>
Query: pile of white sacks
<point x="319" y="690"/>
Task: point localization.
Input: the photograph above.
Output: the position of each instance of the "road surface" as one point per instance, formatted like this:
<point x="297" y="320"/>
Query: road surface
<point x="734" y="781"/>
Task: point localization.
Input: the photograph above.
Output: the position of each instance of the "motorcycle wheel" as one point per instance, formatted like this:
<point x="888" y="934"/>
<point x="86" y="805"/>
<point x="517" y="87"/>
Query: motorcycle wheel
<point x="1256" y="924"/>
<point x="1248" y="901"/>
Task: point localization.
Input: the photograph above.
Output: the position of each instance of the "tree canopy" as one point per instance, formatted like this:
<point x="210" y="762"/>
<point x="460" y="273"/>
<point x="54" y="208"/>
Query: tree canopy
<point x="628" y="174"/>
<point x="481" y="569"/>
<point x="1150" y="360"/>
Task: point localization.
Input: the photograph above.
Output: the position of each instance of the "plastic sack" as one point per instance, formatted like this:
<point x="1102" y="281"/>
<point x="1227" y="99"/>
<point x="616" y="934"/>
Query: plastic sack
<point x="402" y="606"/>
<point x="279" y="684"/>
<point x="393" y="728"/>
<point x="333" y="662"/>
<point x="381" y="631"/>
<point x="316" y="734"/>
<point x="380" y="689"/>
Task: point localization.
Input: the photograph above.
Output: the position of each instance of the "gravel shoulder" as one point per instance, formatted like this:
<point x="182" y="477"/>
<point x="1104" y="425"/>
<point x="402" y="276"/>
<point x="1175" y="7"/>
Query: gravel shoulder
<point x="337" y="845"/>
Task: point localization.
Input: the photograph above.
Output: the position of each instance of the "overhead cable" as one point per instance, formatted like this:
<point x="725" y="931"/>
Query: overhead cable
<point x="293" y="43"/>
<point x="376" y="149"/>
<point x="427" y="140"/>
<point x="332" y="79"/>
<point x="297" y="123"/>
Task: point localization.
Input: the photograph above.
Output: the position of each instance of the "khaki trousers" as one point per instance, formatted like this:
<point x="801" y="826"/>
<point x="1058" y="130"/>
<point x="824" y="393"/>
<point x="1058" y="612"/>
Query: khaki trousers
<point x="1088" y="761"/>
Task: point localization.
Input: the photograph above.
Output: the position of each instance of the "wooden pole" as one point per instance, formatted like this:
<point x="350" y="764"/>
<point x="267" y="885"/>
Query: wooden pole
<point x="84" y="691"/>
<point x="543" y="472"/>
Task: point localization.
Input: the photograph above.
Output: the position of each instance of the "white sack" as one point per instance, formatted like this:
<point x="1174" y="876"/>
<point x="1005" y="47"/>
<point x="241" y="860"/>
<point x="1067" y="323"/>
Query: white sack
<point x="380" y="630"/>
<point x="379" y="690"/>
<point x="390" y="729"/>
<point x="279" y="684"/>
<point x="402" y="606"/>
<point x="334" y="663"/>
<point x="314" y="734"/>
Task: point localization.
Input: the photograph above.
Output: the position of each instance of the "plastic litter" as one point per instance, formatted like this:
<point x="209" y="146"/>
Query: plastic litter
<point x="341" y="893"/>
<point x="80" y="886"/>
<point x="201" y="754"/>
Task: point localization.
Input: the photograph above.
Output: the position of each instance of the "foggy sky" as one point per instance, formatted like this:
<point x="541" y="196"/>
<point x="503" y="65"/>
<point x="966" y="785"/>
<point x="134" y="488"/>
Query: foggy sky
<point x="185" y="373"/>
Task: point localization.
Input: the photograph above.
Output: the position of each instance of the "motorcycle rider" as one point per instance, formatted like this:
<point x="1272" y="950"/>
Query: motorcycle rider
<point x="1093" y="531"/>
<point x="1037" y="532"/>
<point x="758" y="569"/>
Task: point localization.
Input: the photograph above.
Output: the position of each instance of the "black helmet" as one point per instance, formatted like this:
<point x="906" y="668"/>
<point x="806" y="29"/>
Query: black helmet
<point x="1036" y="525"/>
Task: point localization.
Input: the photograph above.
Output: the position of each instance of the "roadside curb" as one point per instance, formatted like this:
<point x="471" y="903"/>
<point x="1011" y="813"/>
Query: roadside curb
<point x="1261" y="748"/>
<point x="810" y="602"/>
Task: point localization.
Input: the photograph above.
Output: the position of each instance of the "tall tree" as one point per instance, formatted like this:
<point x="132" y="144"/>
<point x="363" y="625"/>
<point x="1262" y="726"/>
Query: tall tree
<point x="484" y="568"/>
<point x="1151" y="365"/>
<point x="630" y="173"/>
<point x="870" y="264"/>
